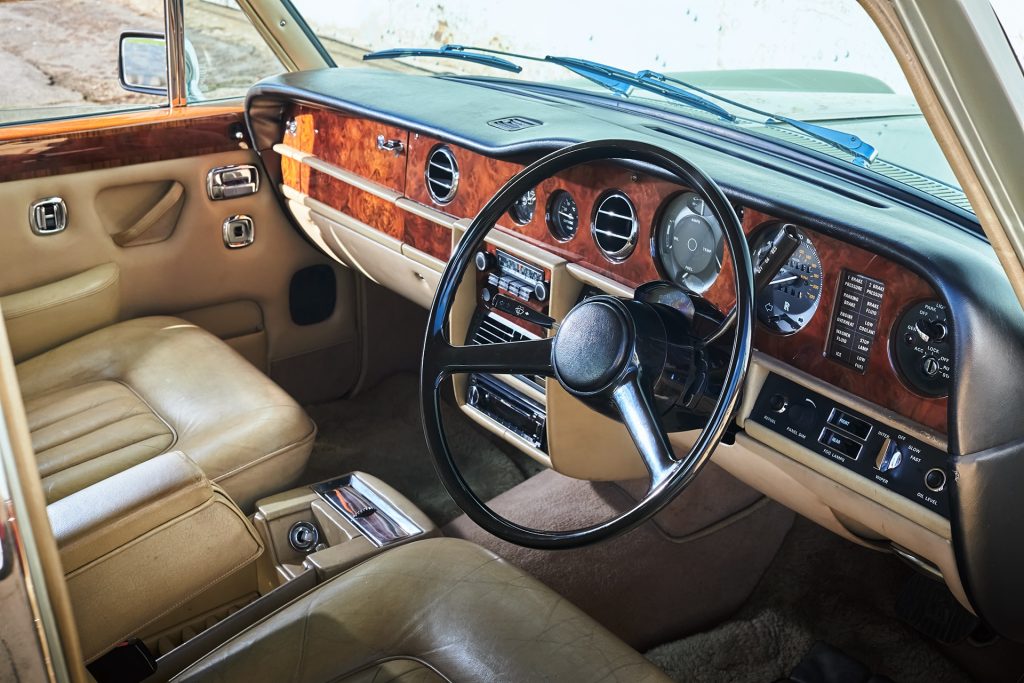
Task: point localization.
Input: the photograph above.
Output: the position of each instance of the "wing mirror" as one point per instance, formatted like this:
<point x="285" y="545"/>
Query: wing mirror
<point x="142" y="64"/>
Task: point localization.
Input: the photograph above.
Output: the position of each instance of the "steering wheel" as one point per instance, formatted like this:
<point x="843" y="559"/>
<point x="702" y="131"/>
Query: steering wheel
<point x="608" y="352"/>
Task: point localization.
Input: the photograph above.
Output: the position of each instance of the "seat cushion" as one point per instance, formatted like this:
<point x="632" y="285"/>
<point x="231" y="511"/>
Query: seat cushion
<point x="124" y="394"/>
<point x="439" y="609"/>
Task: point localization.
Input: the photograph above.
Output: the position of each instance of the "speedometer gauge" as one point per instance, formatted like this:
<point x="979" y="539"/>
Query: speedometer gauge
<point x="689" y="243"/>
<point x="792" y="296"/>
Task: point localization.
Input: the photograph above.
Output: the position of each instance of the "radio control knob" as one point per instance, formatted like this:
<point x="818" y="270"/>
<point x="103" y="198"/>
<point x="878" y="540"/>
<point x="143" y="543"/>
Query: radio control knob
<point x="473" y="396"/>
<point x="483" y="260"/>
<point x="540" y="291"/>
<point x="778" y="403"/>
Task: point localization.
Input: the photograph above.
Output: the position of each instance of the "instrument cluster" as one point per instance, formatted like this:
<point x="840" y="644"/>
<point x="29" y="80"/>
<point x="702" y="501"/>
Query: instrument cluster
<point x="687" y="252"/>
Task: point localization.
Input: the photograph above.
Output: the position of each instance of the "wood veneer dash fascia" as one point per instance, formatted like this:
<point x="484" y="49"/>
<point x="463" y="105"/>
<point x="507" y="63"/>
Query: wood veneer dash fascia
<point x="481" y="177"/>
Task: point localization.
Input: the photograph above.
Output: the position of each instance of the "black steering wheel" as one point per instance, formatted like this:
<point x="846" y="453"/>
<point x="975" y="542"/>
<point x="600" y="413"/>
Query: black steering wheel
<point x="610" y="353"/>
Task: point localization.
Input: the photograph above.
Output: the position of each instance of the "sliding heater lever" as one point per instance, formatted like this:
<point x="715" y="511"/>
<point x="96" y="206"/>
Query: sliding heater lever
<point x="521" y="311"/>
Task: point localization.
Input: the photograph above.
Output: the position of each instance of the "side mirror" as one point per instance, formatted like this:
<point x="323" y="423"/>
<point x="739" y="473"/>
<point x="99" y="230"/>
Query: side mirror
<point x="142" y="62"/>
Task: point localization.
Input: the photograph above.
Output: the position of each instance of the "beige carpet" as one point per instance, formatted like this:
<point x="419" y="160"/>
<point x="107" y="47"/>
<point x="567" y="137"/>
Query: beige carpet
<point x="819" y="587"/>
<point x="686" y="570"/>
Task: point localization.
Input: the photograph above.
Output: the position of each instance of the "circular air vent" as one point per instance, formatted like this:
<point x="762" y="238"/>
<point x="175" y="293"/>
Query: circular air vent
<point x="442" y="174"/>
<point x="614" y="226"/>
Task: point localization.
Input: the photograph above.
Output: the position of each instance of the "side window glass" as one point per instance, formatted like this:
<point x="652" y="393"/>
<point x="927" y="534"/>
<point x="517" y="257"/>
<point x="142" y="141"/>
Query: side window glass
<point x="224" y="52"/>
<point x="60" y="60"/>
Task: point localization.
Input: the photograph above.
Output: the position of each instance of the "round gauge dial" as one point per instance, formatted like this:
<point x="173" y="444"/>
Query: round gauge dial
<point x="689" y="243"/>
<point x="563" y="216"/>
<point x="522" y="211"/>
<point x="792" y="296"/>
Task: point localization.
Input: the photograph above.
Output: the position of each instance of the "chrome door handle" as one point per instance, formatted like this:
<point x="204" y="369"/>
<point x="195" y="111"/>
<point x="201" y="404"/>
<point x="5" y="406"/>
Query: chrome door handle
<point x="228" y="182"/>
<point x="390" y="145"/>
<point x="48" y="216"/>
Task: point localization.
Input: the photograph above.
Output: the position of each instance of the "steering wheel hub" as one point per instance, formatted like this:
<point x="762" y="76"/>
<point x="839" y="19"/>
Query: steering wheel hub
<point x="627" y="358"/>
<point x="593" y="346"/>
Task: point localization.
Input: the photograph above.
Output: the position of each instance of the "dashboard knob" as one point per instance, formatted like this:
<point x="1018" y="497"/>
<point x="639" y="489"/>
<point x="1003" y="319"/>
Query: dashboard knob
<point x="932" y="331"/>
<point x="778" y="403"/>
<point x="930" y="366"/>
<point x="483" y="260"/>
<point x="540" y="291"/>
<point x="473" y="396"/>
<point x="935" y="479"/>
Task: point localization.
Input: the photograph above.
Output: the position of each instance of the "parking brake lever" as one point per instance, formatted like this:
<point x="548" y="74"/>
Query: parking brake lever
<point x="780" y="250"/>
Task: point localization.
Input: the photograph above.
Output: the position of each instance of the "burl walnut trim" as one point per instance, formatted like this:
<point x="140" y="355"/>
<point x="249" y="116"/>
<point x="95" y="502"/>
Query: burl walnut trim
<point x="481" y="177"/>
<point x="85" y="144"/>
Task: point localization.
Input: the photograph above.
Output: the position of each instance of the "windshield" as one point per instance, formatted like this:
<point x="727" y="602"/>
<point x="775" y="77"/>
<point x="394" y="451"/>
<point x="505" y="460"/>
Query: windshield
<point x="818" y="61"/>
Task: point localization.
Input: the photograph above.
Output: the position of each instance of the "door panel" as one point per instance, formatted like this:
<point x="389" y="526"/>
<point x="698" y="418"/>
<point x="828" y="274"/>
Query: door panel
<point x="155" y="224"/>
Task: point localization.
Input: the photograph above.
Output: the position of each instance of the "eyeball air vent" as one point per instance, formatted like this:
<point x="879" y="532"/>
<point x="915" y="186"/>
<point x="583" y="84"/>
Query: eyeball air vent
<point x="614" y="226"/>
<point x="442" y="174"/>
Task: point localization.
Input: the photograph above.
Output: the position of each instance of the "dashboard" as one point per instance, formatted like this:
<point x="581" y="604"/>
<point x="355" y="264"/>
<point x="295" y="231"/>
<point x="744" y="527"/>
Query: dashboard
<point x="872" y="369"/>
<point x="836" y="309"/>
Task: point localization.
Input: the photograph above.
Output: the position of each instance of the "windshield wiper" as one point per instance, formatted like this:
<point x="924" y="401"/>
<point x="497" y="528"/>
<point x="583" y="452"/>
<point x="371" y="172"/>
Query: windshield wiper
<point x="445" y="52"/>
<point x="863" y="153"/>
<point x="622" y="82"/>
<point x="619" y="81"/>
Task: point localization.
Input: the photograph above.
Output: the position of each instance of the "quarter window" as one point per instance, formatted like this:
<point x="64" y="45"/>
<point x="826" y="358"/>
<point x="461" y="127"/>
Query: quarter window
<point x="224" y="52"/>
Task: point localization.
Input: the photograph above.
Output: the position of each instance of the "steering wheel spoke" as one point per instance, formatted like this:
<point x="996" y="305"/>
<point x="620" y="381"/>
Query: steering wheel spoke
<point x="600" y="341"/>
<point x="531" y="357"/>
<point x="638" y="414"/>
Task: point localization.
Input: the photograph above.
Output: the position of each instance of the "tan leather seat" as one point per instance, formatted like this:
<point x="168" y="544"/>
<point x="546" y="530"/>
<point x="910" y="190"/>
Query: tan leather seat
<point x="112" y="399"/>
<point x="434" y="610"/>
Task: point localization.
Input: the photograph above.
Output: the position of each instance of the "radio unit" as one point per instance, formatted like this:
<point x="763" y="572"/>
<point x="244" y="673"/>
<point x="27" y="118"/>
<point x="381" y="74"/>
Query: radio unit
<point x="519" y="414"/>
<point x="514" y="277"/>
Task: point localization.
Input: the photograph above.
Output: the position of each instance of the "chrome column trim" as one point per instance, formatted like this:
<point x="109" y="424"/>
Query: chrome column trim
<point x="174" y="34"/>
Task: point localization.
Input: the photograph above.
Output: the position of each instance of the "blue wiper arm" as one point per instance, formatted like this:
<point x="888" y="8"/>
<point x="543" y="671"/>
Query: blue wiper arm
<point x="863" y="153"/>
<point x="445" y="52"/>
<point x="621" y="81"/>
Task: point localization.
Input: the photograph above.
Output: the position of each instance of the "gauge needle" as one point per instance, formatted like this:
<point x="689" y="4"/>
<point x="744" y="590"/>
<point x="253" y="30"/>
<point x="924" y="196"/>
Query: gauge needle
<point x="784" y="279"/>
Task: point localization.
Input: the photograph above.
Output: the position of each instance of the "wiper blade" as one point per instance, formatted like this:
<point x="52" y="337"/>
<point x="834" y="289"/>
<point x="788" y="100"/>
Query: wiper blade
<point x="863" y="153"/>
<point x="445" y="52"/>
<point x="621" y="82"/>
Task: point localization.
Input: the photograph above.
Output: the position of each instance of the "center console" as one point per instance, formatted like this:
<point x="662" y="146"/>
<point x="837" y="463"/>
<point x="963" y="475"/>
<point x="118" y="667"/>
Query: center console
<point x="331" y="526"/>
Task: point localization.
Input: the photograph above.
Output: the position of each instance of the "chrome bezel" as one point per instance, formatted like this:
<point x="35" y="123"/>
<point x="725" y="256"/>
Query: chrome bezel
<point x="551" y="221"/>
<point x="447" y="152"/>
<point x="619" y="255"/>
